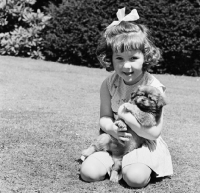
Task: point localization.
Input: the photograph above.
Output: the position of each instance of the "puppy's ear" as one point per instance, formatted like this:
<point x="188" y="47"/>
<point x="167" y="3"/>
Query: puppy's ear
<point x="161" y="101"/>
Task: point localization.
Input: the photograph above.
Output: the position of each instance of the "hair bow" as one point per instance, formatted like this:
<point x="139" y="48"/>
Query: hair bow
<point x="132" y="16"/>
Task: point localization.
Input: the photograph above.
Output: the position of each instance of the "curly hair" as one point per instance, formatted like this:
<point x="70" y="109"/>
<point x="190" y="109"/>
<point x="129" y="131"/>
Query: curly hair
<point x="127" y="36"/>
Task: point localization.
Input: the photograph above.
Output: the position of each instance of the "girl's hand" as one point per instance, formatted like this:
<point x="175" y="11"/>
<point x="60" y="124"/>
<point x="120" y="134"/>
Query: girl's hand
<point x="119" y="132"/>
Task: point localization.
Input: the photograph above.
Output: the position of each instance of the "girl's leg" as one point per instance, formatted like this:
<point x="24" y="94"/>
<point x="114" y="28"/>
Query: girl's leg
<point x="96" y="166"/>
<point x="136" y="175"/>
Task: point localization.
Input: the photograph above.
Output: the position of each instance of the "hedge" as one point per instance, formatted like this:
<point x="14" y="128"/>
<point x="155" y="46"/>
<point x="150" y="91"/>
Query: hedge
<point x="75" y="27"/>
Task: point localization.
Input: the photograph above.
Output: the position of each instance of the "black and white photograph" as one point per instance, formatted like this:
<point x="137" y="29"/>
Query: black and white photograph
<point x="99" y="96"/>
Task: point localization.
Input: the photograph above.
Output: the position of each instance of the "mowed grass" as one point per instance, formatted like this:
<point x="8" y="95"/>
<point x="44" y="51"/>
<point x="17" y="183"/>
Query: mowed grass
<point x="50" y="112"/>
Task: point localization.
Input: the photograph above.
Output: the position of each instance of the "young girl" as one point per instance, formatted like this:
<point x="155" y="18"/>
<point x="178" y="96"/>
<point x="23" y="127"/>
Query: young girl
<point x="127" y="49"/>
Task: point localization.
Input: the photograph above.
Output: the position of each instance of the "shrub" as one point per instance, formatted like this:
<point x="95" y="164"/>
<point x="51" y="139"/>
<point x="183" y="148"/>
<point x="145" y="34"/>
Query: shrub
<point x="75" y="28"/>
<point x="42" y="4"/>
<point x="20" y="29"/>
<point x="72" y="35"/>
<point x="175" y="26"/>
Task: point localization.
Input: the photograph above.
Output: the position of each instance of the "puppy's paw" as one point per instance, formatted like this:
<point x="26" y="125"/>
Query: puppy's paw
<point x="121" y="125"/>
<point x="114" y="177"/>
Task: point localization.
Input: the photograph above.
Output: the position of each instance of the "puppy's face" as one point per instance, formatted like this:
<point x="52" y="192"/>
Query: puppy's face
<point x="148" y="98"/>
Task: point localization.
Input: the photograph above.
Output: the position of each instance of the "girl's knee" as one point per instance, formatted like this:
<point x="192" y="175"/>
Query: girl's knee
<point x="136" y="175"/>
<point x="92" y="170"/>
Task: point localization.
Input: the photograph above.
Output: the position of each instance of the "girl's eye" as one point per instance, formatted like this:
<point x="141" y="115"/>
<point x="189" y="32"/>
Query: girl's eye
<point x="133" y="58"/>
<point x="119" y="58"/>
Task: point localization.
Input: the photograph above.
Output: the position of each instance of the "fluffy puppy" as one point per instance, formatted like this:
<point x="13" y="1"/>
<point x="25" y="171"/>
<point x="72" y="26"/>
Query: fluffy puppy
<point x="146" y="106"/>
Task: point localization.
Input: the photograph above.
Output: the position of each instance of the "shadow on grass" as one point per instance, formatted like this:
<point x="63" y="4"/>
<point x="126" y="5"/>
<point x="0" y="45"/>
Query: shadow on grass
<point x="153" y="180"/>
<point x="79" y="161"/>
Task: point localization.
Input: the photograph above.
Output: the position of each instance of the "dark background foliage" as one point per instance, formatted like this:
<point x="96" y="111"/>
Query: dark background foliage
<point x="75" y="28"/>
<point x="42" y="4"/>
<point x="73" y="33"/>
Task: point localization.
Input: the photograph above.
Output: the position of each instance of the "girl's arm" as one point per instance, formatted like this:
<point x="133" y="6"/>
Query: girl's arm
<point x="148" y="133"/>
<point x="106" y="115"/>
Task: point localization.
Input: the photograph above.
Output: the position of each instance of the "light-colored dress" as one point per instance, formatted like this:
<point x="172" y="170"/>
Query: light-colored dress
<point x="158" y="159"/>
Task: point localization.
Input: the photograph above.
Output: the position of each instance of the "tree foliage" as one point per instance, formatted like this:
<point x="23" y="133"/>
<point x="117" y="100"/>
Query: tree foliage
<point x="20" y="29"/>
<point x="75" y="27"/>
<point x="175" y="26"/>
<point x="73" y="32"/>
<point x="42" y="4"/>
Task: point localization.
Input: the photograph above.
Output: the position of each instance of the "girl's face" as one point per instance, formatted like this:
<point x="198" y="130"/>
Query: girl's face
<point x="128" y="65"/>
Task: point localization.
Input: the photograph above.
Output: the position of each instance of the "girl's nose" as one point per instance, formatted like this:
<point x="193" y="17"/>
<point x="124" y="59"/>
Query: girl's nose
<point x="127" y="65"/>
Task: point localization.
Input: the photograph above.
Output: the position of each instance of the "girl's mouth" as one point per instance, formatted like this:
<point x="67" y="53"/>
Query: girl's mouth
<point x="128" y="73"/>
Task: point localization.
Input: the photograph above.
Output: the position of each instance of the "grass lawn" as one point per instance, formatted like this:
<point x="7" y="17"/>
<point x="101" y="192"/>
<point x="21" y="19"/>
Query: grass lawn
<point x="50" y="112"/>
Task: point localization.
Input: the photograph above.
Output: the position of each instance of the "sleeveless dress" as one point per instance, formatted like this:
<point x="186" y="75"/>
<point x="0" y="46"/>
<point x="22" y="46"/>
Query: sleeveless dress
<point x="158" y="158"/>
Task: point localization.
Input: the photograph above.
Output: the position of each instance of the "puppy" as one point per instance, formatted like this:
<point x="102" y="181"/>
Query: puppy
<point x="146" y="106"/>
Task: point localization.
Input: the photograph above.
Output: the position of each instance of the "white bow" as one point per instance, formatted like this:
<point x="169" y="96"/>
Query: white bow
<point x="132" y="16"/>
